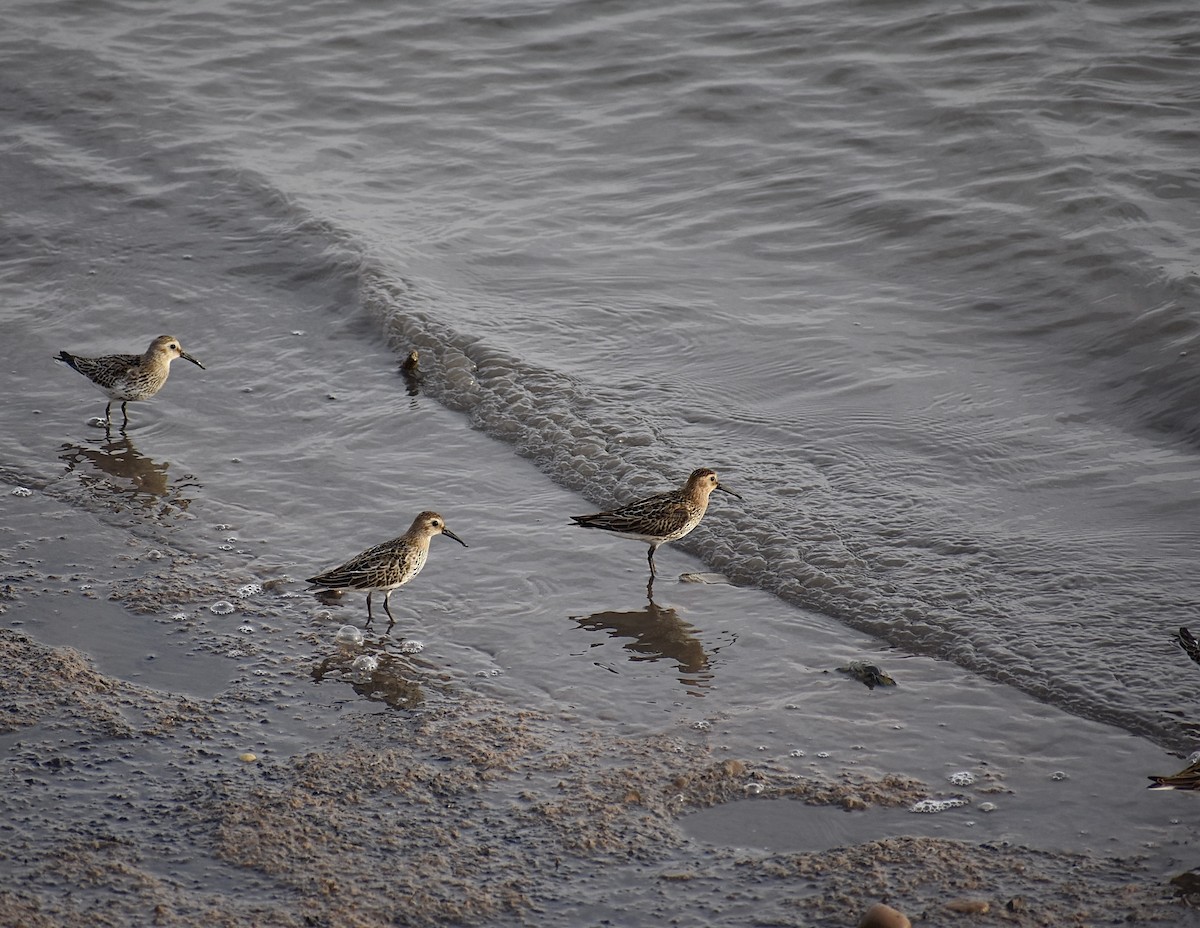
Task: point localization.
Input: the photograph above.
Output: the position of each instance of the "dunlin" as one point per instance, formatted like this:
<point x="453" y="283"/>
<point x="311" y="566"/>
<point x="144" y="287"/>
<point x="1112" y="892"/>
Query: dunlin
<point x="662" y="518"/>
<point x="389" y="565"/>
<point x="1188" y="778"/>
<point x="130" y="377"/>
<point x="1187" y="641"/>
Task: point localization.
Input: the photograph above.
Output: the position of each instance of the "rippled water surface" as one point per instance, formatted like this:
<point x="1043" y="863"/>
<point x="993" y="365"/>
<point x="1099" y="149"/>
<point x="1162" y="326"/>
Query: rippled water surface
<point x="919" y="281"/>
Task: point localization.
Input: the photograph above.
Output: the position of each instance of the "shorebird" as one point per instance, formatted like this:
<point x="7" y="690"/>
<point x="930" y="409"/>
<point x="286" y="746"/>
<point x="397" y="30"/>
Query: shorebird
<point x="1188" y="779"/>
<point x="387" y="566"/>
<point x="1187" y="641"/>
<point x="129" y="377"/>
<point x="662" y="518"/>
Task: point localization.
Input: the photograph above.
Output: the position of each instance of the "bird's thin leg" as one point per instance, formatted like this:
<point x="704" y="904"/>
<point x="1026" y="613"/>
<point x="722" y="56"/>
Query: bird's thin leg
<point x="650" y="590"/>
<point x="650" y="558"/>
<point x="108" y="413"/>
<point x="370" y="616"/>
<point x="387" y="608"/>
<point x="124" y="416"/>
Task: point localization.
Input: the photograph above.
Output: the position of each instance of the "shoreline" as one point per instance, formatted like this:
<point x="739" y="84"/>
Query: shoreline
<point x="135" y="801"/>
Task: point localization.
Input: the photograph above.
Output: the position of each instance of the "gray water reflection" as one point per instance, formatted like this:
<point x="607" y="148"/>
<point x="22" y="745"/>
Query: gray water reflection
<point x="119" y="475"/>
<point x="656" y="633"/>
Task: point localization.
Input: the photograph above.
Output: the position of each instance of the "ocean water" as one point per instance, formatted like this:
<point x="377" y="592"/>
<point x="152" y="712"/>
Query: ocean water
<point x="918" y="280"/>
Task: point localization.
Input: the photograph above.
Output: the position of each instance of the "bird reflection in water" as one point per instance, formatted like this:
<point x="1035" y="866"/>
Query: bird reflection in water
<point x="375" y="674"/>
<point x="120" y="476"/>
<point x="656" y="633"/>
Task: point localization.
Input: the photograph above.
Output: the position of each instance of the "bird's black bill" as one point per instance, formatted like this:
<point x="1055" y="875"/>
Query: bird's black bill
<point x="188" y="357"/>
<point x="450" y="534"/>
<point x="729" y="491"/>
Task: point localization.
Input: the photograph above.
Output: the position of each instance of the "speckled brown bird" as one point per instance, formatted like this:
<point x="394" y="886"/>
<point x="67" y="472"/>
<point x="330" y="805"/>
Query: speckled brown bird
<point x="129" y="377"/>
<point x="662" y="518"/>
<point x="387" y="566"/>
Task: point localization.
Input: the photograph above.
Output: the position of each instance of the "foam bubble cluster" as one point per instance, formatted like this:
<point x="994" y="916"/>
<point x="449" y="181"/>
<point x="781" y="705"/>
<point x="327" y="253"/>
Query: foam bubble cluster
<point x="22" y="491"/>
<point x="412" y="646"/>
<point x="933" y="806"/>
<point x="365" y="663"/>
<point x="962" y="778"/>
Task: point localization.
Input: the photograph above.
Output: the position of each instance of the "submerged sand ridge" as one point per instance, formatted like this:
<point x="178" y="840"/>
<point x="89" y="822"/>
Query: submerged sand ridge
<point x="131" y="805"/>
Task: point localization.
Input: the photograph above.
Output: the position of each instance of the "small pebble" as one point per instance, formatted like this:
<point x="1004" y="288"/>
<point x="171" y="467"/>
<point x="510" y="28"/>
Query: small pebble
<point x="883" y="916"/>
<point x="969" y="906"/>
<point x="248" y="758"/>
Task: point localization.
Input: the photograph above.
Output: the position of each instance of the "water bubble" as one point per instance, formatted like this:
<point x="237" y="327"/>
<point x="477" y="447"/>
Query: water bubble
<point x="179" y="617"/>
<point x="247" y="590"/>
<point x="962" y="778"/>
<point x="1058" y="775"/>
<point x="222" y="527"/>
<point x="246" y="629"/>
<point x="221" y="607"/>
<point x="322" y="615"/>
<point x="84" y="587"/>
<point x="349" y="635"/>
<point x="822" y="754"/>
<point x="702" y="725"/>
<point x="796" y="753"/>
<point x="154" y="555"/>
<point x="933" y="806"/>
<point x="762" y="747"/>
<point x="231" y="539"/>
<point x="224" y="547"/>
<point x="365" y="663"/>
<point x="22" y="491"/>
<point x="754" y="789"/>
<point x="412" y="646"/>
<point x="987" y="807"/>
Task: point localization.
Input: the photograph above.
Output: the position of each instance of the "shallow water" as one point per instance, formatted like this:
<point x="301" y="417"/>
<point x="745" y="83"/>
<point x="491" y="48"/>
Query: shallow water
<point x="919" y="283"/>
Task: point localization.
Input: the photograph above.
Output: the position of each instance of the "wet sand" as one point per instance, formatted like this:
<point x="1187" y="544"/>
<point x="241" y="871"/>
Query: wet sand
<point x="286" y="788"/>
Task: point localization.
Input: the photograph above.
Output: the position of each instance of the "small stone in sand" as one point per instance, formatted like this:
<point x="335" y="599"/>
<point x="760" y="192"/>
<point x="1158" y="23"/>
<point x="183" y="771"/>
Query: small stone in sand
<point x="883" y="916"/>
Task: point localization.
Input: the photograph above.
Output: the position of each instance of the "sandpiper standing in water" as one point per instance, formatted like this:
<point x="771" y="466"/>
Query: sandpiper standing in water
<point x="129" y="377"/>
<point x="387" y="566"/>
<point x="1186" y="779"/>
<point x="662" y="518"/>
